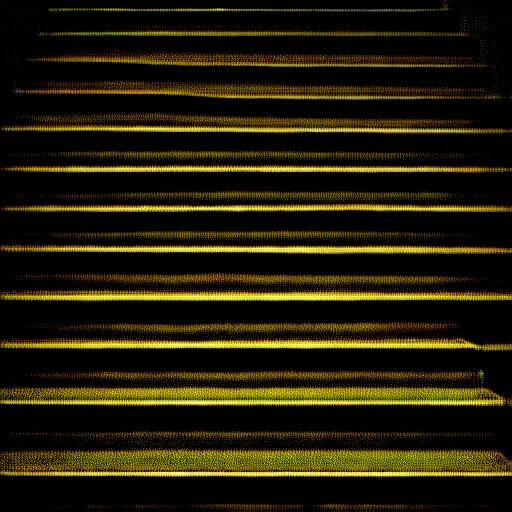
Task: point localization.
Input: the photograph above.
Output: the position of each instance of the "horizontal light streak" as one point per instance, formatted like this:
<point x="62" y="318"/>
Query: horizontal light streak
<point x="158" y="119"/>
<point x="432" y="208"/>
<point x="277" y="168"/>
<point x="261" y="249"/>
<point x="229" y="10"/>
<point x="171" y="120"/>
<point x="240" y="435"/>
<point x="258" y="91"/>
<point x="251" y="155"/>
<point x="243" y="435"/>
<point x="267" y="195"/>
<point x="254" y="462"/>
<point x="236" y="296"/>
<point x="271" y="329"/>
<point x="292" y="507"/>
<point x="251" y="396"/>
<point x="246" y="236"/>
<point x="263" y="60"/>
<point x="248" y="33"/>
<point x="249" y="129"/>
<point x="279" y="344"/>
<point x="491" y="347"/>
<point x="261" y="474"/>
<point x="377" y="95"/>
<point x="218" y="278"/>
<point x="243" y="378"/>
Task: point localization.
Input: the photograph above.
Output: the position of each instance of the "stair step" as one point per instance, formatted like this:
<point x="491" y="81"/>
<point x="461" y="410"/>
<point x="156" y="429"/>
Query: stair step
<point x="264" y="379"/>
<point x="247" y="396"/>
<point x="350" y="344"/>
<point x="291" y="507"/>
<point x="238" y="60"/>
<point x="263" y="249"/>
<point x="251" y="463"/>
<point x="360" y="4"/>
<point x="240" y="336"/>
<point x="361" y="71"/>
<point x="230" y="168"/>
<point x="158" y="122"/>
<point x="275" y="200"/>
<point x="243" y="287"/>
<point x="257" y="91"/>
<point x="231" y="161"/>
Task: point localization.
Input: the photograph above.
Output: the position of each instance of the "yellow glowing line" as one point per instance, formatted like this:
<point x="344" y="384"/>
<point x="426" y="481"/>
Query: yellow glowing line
<point x="495" y="347"/>
<point x="247" y="377"/>
<point x="305" y="96"/>
<point x="290" y="507"/>
<point x="257" y="279"/>
<point x="259" y="208"/>
<point x="262" y="474"/>
<point x="265" y="60"/>
<point x="263" y="249"/>
<point x="390" y="343"/>
<point x="239" y="461"/>
<point x="250" y="396"/>
<point x="236" y="296"/>
<point x="268" y="195"/>
<point x="260" y="91"/>
<point x="253" y="168"/>
<point x="247" y="33"/>
<point x="197" y="236"/>
<point x="157" y="120"/>
<point x="270" y="328"/>
<point x="214" y="156"/>
<point x="242" y="435"/>
<point x="231" y="10"/>
<point x="241" y="402"/>
<point x="249" y="129"/>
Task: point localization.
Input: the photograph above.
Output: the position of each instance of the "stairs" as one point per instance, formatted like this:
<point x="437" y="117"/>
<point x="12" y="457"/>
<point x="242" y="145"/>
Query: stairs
<point x="255" y="260"/>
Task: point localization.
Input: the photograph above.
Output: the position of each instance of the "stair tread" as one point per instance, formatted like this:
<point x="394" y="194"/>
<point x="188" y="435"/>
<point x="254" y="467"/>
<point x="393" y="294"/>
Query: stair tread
<point x="162" y="122"/>
<point x="255" y="91"/>
<point x="259" y="463"/>
<point x="261" y="60"/>
<point x="256" y="249"/>
<point x="251" y="33"/>
<point x="313" y="344"/>
<point x="246" y="396"/>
